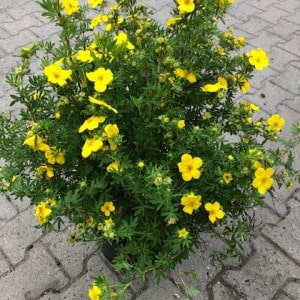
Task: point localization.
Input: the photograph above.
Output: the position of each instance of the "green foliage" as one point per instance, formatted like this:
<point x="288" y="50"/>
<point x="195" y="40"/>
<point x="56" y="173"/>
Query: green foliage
<point x="131" y="130"/>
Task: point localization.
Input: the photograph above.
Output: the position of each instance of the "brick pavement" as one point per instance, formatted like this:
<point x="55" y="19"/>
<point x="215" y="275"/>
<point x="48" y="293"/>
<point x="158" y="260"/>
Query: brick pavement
<point x="44" y="266"/>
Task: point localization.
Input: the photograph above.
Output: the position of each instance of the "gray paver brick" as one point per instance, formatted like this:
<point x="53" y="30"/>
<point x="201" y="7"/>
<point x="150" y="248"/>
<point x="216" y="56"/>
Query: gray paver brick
<point x="199" y="262"/>
<point x="263" y="273"/>
<point x="4" y="265"/>
<point x="71" y="255"/>
<point x="287" y="233"/>
<point x="273" y="14"/>
<point x="280" y="58"/>
<point x="293" y="288"/>
<point x="262" y="4"/>
<point x="284" y="80"/>
<point x="36" y="274"/>
<point x="166" y="290"/>
<point x="273" y="96"/>
<point x="220" y="292"/>
<point x="284" y="28"/>
<point x="17" y="234"/>
<point x="243" y="11"/>
<point x="7" y="210"/>
<point x="255" y="25"/>
<point x="292" y="45"/>
<point x="13" y="43"/>
<point x="80" y="286"/>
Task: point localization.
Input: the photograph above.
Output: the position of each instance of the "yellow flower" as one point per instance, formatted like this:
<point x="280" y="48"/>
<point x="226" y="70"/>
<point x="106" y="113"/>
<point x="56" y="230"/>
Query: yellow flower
<point x="95" y="3"/>
<point x="215" y="211"/>
<point x="190" y="202"/>
<point x="220" y="85"/>
<point x="189" y="167"/>
<point x="186" y="75"/>
<point x="227" y="177"/>
<point x="248" y="106"/>
<point x="95" y="21"/>
<point x="114" y="166"/>
<point x="173" y="20"/>
<point x="275" y="123"/>
<point x="263" y="180"/>
<point x="183" y="233"/>
<point x="258" y="58"/>
<point x="240" y="41"/>
<point x="111" y="130"/>
<point x="36" y="143"/>
<point x="102" y="103"/>
<point x="186" y="6"/>
<point x="42" y="212"/>
<point x="84" y="56"/>
<point x="55" y="156"/>
<point x="257" y="164"/>
<point x="230" y="157"/>
<point x="141" y="164"/>
<point x="107" y="208"/>
<point x="50" y="203"/>
<point x="70" y="6"/>
<point x="95" y="291"/>
<point x="101" y="77"/>
<point x="109" y="223"/>
<point x="56" y="75"/>
<point x="90" y="221"/>
<point x="45" y="169"/>
<point x="121" y="39"/>
<point x="91" y="145"/>
<point x="181" y="124"/>
<point x="244" y="85"/>
<point x="91" y="123"/>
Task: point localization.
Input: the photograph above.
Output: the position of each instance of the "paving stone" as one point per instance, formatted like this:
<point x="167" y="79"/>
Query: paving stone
<point x="24" y="22"/>
<point x="273" y="14"/>
<point x="220" y="292"/>
<point x="293" y="104"/>
<point x="293" y="289"/>
<point x="259" y="78"/>
<point x="243" y="11"/>
<point x="284" y="28"/>
<point x="265" y="40"/>
<point x="199" y="264"/>
<point x="287" y="233"/>
<point x="291" y="6"/>
<point x="17" y="234"/>
<point x="7" y="210"/>
<point x="165" y="290"/>
<point x="292" y="45"/>
<point x="71" y="255"/>
<point x="262" y="4"/>
<point x="21" y="204"/>
<point x="288" y="82"/>
<point x="4" y="265"/>
<point x="37" y="273"/>
<point x="15" y="42"/>
<point x="273" y="96"/>
<point x="264" y="272"/>
<point x="45" y="31"/>
<point x="279" y="59"/>
<point x="255" y="25"/>
<point x="162" y="15"/>
<point x="79" y="287"/>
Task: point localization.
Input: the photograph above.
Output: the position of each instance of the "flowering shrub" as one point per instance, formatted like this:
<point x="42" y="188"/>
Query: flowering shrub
<point x="130" y="129"/>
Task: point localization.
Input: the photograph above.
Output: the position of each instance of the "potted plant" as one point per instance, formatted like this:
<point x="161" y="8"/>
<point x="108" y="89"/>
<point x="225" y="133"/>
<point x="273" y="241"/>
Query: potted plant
<point x="131" y="130"/>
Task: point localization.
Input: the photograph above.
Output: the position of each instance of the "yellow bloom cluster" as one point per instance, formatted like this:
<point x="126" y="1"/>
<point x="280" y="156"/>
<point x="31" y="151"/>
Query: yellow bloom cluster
<point x="263" y="179"/>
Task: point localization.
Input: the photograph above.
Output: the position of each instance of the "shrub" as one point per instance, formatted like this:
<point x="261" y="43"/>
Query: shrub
<point x="131" y="130"/>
